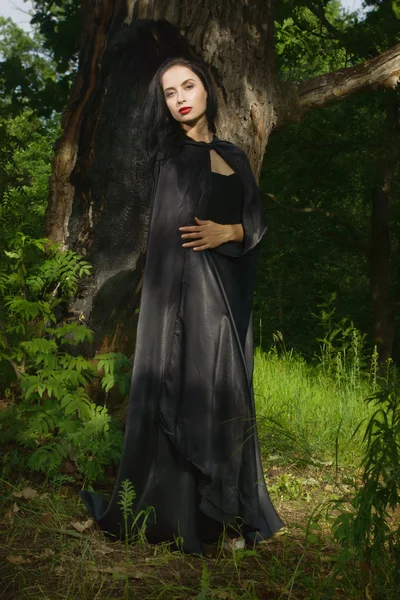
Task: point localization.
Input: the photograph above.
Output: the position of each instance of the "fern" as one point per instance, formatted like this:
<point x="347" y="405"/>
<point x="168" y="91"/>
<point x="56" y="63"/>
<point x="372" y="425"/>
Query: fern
<point x="127" y="498"/>
<point x="116" y="367"/>
<point x="52" y="419"/>
<point x="205" y="584"/>
<point x="41" y="424"/>
<point x="70" y="333"/>
<point x="97" y="442"/>
<point x="49" y="457"/>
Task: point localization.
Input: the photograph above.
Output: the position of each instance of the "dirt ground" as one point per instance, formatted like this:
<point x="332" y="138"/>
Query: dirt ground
<point x="51" y="550"/>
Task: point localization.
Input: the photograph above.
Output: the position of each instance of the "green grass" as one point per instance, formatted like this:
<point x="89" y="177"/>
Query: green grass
<point x="306" y="412"/>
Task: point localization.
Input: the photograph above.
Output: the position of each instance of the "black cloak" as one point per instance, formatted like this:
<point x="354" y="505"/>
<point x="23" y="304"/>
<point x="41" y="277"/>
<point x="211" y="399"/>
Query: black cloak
<point x="191" y="448"/>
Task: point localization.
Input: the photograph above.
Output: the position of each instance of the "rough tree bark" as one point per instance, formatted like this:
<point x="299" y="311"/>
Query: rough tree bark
<point x="100" y="185"/>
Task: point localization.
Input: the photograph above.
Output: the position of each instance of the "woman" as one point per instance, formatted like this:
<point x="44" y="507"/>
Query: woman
<point x="191" y="449"/>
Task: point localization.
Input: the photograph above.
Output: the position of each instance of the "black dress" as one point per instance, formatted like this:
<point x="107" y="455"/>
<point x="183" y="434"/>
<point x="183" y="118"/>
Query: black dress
<point x="225" y="203"/>
<point x="191" y="448"/>
<point x="225" y="206"/>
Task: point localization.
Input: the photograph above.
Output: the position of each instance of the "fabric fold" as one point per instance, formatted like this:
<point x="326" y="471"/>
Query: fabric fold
<point x="191" y="448"/>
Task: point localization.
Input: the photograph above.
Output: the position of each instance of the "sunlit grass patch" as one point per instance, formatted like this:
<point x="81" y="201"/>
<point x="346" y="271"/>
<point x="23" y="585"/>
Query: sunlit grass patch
<point x="304" y="413"/>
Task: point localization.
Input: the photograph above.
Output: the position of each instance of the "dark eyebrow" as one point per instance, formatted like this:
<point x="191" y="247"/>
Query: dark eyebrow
<point x="183" y="83"/>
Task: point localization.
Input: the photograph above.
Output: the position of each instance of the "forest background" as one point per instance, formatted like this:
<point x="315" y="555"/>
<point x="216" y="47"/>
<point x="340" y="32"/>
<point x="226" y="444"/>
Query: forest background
<point x="327" y="347"/>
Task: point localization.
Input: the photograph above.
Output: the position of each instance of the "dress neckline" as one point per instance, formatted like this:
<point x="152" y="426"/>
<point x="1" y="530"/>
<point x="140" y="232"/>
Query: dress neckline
<point x="222" y="175"/>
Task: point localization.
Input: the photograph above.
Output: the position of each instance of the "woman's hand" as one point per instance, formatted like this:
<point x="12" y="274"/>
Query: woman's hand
<point x="208" y="234"/>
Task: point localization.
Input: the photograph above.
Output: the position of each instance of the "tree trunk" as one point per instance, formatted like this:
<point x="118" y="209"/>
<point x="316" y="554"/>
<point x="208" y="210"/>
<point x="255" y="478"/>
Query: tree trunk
<point x="100" y="185"/>
<point x="382" y="299"/>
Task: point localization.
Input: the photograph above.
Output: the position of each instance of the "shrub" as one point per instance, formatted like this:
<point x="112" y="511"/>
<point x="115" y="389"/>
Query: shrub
<point x="46" y="409"/>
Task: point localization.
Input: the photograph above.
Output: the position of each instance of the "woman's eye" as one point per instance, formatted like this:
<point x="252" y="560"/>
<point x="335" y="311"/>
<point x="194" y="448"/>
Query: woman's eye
<point x="189" y="87"/>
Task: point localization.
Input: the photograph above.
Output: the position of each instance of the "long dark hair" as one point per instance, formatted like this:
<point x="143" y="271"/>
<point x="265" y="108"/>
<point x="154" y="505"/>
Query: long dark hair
<point x="161" y="132"/>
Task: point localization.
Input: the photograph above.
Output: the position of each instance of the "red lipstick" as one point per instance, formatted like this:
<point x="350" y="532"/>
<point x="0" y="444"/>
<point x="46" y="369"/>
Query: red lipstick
<point x="185" y="110"/>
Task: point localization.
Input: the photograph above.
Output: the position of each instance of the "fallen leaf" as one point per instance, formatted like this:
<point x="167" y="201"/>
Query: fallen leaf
<point x="103" y="549"/>
<point x="18" y="560"/>
<point x="83" y="526"/>
<point x="28" y="493"/>
<point x="15" y="508"/>
<point x="59" y="570"/>
<point x="46" y="518"/>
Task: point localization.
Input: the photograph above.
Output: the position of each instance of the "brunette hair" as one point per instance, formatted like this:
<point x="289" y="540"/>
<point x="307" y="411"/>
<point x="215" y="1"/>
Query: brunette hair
<point x="161" y="132"/>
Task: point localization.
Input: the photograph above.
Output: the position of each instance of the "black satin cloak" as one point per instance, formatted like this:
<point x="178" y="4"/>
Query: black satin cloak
<point x="191" y="448"/>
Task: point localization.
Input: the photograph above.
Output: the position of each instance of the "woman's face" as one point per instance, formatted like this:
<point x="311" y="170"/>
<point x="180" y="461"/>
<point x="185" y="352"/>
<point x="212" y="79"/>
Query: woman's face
<point x="183" y="89"/>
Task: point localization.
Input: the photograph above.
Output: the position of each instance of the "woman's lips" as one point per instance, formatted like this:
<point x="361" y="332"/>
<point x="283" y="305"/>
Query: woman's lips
<point x="185" y="111"/>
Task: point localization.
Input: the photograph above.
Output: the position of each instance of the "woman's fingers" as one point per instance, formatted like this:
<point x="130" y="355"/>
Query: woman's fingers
<point x="195" y="243"/>
<point x="192" y="228"/>
<point x="203" y="236"/>
<point x="192" y="235"/>
<point x="196" y="227"/>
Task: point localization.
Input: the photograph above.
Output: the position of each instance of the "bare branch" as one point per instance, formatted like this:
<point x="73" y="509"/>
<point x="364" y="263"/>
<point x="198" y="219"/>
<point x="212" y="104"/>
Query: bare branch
<point x="382" y="71"/>
<point x="293" y="101"/>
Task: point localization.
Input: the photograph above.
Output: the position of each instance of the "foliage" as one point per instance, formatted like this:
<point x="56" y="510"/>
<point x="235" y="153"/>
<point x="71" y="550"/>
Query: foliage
<point x="303" y="51"/>
<point x="28" y="74"/>
<point x="24" y="175"/>
<point x="319" y="176"/>
<point x="369" y="529"/>
<point x="60" y="22"/>
<point x="26" y="137"/>
<point x="47" y="403"/>
<point x="115" y="365"/>
<point x="47" y="419"/>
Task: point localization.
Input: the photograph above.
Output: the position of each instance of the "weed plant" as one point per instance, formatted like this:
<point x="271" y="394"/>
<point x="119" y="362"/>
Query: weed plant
<point x="368" y="527"/>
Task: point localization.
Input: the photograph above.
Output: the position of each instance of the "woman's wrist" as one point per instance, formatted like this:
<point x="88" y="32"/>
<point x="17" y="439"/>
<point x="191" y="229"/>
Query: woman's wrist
<point x="235" y="232"/>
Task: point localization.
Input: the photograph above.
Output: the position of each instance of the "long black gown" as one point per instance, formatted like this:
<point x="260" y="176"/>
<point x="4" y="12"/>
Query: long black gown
<point x="191" y="448"/>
